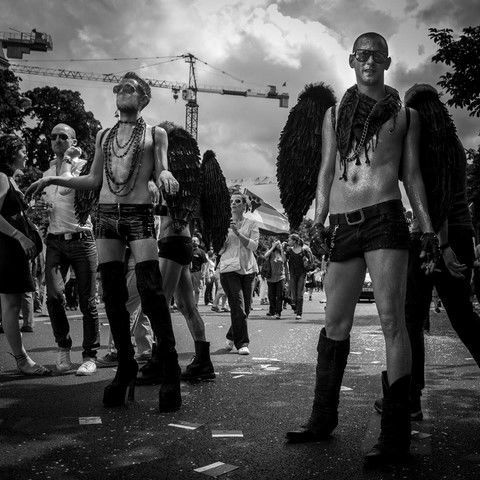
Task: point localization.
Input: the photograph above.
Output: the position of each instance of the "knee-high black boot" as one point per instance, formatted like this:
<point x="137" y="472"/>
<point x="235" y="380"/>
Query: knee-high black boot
<point x="154" y="306"/>
<point x="394" y="440"/>
<point x="115" y="296"/>
<point x="331" y="363"/>
<point x="201" y="367"/>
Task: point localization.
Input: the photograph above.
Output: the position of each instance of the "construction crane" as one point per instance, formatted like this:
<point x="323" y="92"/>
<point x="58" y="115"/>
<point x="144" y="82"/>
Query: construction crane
<point x="189" y="91"/>
<point x="18" y="43"/>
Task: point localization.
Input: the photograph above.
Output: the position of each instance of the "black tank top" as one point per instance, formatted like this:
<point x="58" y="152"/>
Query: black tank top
<point x="13" y="202"/>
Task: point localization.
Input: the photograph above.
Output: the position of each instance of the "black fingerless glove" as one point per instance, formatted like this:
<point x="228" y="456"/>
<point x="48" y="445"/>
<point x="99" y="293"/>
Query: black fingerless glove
<point x="431" y="246"/>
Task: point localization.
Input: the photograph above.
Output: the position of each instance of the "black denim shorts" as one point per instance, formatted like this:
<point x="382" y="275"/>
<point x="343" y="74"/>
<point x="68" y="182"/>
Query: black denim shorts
<point x="126" y="222"/>
<point x="381" y="226"/>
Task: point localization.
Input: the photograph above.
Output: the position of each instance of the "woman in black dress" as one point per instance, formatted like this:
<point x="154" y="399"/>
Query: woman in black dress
<point x="15" y="252"/>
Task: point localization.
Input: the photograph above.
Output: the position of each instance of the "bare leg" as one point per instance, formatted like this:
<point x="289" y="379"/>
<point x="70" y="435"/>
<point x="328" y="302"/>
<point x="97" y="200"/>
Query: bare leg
<point x="11" y="304"/>
<point x="186" y="304"/>
<point x="343" y="284"/>
<point x="388" y="270"/>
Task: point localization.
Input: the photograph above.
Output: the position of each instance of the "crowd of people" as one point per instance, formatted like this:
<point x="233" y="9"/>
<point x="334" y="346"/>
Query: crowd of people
<point x="144" y="269"/>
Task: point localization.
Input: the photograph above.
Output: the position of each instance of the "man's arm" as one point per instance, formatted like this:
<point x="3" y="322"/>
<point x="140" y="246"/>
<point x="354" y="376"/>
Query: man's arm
<point x="163" y="177"/>
<point x="86" y="182"/>
<point x="454" y="267"/>
<point x="412" y="176"/>
<point x="327" y="169"/>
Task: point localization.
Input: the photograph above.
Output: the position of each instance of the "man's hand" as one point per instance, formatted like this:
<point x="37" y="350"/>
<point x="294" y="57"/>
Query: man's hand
<point x="430" y="252"/>
<point x="319" y="239"/>
<point x="72" y="152"/>
<point x="36" y="188"/>
<point x="169" y="182"/>
<point x="453" y="266"/>
<point x="154" y="192"/>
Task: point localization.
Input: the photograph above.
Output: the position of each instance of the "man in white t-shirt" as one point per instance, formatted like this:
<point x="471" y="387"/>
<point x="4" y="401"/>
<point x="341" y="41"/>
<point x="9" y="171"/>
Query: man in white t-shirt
<point x="70" y="244"/>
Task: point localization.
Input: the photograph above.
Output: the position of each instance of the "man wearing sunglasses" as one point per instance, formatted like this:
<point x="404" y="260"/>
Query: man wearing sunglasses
<point x="69" y="244"/>
<point x="368" y="142"/>
<point x="127" y="157"/>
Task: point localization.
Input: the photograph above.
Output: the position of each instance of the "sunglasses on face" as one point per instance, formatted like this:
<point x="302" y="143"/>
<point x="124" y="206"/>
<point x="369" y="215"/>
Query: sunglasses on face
<point x="127" y="88"/>
<point x="363" y="55"/>
<point x="61" y="136"/>
<point x="235" y="201"/>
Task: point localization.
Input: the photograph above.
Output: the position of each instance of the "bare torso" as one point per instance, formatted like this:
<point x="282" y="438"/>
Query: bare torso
<point x="120" y="168"/>
<point x="375" y="183"/>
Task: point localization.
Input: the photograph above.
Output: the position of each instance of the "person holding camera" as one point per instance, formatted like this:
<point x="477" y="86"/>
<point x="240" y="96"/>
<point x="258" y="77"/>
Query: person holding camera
<point x="275" y="259"/>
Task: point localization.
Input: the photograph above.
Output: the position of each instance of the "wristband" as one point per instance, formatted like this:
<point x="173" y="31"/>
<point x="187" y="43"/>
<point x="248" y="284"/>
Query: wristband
<point x="444" y="246"/>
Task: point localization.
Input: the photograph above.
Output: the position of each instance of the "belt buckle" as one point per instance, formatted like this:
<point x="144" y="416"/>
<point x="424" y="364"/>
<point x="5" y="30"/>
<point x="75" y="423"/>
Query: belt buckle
<point x="355" y="222"/>
<point x="68" y="236"/>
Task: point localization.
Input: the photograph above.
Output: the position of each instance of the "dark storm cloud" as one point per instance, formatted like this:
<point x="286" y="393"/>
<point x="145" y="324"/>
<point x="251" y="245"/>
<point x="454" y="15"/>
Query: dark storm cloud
<point x="449" y="13"/>
<point x="347" y="18"/>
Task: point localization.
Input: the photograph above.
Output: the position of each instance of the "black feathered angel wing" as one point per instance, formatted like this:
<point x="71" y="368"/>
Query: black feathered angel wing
<point x="86" y="201"/>
<point x="300" y="147"/>
<point x="184" y="163"/>
<point x="215" y="202"/>
<point x="441" y="153"/>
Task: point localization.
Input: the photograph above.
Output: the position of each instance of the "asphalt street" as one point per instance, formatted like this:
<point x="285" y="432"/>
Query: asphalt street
<point x="43" y="434"/>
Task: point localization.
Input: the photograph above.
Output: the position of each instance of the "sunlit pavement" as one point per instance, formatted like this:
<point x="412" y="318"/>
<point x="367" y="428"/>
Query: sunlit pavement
<point x="259" y="397"/>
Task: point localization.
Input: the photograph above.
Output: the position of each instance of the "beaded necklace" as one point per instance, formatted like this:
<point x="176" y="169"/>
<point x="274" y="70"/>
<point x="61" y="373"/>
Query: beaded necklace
<point x="136" y="144"/>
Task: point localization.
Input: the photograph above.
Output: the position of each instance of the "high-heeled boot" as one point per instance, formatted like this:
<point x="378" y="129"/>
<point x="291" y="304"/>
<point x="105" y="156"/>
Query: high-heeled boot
<point x="169" y="395"/>
<point x="155" y="307"/>
<point x="331" y="363"/>
<point x="394" y="441"/>
<point x="115" y="296"/>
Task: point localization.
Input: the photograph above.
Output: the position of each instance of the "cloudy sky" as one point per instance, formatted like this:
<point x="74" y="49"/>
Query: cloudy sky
<point x="261" y="42"/>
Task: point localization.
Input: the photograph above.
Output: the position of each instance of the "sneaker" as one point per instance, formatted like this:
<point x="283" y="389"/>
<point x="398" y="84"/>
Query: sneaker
<point x="268" y="314"/>
<point x="26" y="329"/>
<point x="229" y="345"/>
<point x="215" y="308"/>
<point x="63" y="363"/>
<point x="243" y="351"/>
<point x="298" y="317"/>
<point x="225" y="309"/>
<point x="88" y="367"/>
<point x="277" y="316"/>
<point x="108" y="360"/>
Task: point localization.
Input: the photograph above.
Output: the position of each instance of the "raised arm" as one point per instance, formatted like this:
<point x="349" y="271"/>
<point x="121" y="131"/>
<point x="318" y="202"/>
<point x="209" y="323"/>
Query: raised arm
<point x="163" y="177"/>
<point x="86" y="182"/>
<point x="327" y="169"/>
<point x="412" y="176"/>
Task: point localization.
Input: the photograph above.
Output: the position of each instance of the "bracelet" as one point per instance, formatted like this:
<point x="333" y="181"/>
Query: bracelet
<point x="444" y="246"/>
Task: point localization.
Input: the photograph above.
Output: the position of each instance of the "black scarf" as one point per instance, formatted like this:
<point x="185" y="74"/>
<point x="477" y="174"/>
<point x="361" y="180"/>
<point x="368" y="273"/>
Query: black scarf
<point x="354" y="109"/>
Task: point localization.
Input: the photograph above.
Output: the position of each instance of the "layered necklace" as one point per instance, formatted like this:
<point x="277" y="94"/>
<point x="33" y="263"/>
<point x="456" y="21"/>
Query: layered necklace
<point x="114" y="149"/>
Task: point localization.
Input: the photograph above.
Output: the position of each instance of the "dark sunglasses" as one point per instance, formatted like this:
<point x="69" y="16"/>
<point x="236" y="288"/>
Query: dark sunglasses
<point x="126" y="88"/>
<point x="363" y="56"/>
<point x="235" y="201"/>
<point x="61" y="136"/>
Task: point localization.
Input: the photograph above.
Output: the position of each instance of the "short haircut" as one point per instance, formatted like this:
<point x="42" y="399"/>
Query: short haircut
<point x="371" y="36"/>
<point x="145" y="86"/>
<point x="72" y="131"/>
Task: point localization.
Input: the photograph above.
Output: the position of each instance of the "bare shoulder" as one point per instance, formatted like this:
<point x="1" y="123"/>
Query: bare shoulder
<point x="160" y="135"/>
<point x="4" y="186"/>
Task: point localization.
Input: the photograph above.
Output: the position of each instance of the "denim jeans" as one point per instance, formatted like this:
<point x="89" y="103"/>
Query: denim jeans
<point x="454" y="294"/>
<point x="81" y="255"/>
<point x="297" y="289"/>
<point x="275" y="297"/>
<point x="238" y="289"/>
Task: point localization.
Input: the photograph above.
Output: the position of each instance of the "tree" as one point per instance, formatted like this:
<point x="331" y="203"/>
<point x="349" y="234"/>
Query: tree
<point x="462" y="55"/>
<point x="473" y="186"/>
<point x="51" y="106"/>
<point x="11" y="102"/>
